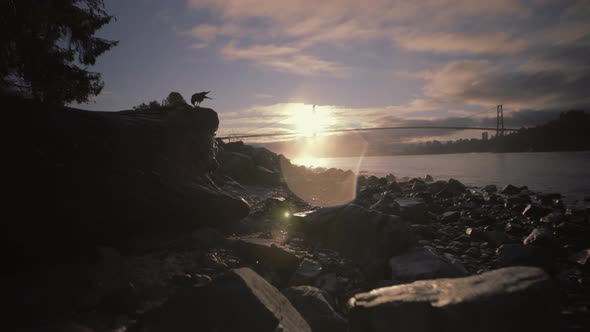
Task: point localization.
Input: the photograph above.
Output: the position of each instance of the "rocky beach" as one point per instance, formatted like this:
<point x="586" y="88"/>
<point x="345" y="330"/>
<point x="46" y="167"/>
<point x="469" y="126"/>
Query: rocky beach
<point x="139" y="221"/>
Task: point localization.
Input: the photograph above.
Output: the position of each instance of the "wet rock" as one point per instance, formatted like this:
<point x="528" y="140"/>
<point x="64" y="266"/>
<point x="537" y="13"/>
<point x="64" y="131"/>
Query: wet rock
<point x="553" y="218"/>
<point x="510" y="299"/>
<point x="519" y="254"/>
<point x="541" y="237"/>
<point x="455" y="187"/>
<point x="536" y="211"/>
<point x="428" y="178"/>
<point x="413" y="210"/>
<point x="211" y="261"/>
<point x="207" y="238"/>
<point x="490" y="188"/>
<point x="494" y="237"/>
<point x="423" y="263"/>
<point x="450" y="216"/>
<point x="582" y="258"/>
<point x="240" y="300"/>
<point x="419" y="186"/>
<point x="312" y="303"/>
<point x="358" y="233"/>
<point x="269" y="254"/>
<point x="394" y="187"/>
<point x="386" y="205"/>
<point x="306" y="273"/>
<point x="510" y="190"/>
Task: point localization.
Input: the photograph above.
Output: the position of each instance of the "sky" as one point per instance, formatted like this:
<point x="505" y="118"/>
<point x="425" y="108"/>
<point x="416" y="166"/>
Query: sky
<point x="363" y="63"/>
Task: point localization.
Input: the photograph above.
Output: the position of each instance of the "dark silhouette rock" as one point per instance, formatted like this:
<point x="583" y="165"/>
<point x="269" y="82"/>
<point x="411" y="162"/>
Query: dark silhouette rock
<point x="307" y="272"/>
<point x="509" y="299"/>
<point x="423" y="263"/>
<point x="413" y="210"/>
<point x="312" y="303"/>
<point x="360" y="234"/>
<point x="541" y="237"/>
<point x="510" y="190"/>
<point x="519" y="254"/>
<point x="490" y="188"/>
<point x="536" y="211"/>
<point x="450" y="216"/>
<point x="456" y="187"/>
<point x="394" y="187"/>
<point x="102" y="178"/>
<point x="582" y="258"/>
<point x="269" y="255"/>
<point x="386" y="205"/>
<point x="241" y="300"/>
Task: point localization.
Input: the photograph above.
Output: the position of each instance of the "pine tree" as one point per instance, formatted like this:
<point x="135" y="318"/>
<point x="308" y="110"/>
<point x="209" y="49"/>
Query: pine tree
<point x="47" y="46"/>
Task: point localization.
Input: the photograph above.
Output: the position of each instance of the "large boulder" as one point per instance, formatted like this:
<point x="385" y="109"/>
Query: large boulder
<point x="386" y="205"/>
<point x="536" y="211"/>
<point x="519" y="254"/>
<point x="423" y="263"/>
<point x="103" y="178"/>
<point x="242" y="300"/>
<point x="510" y="190"/>
<point x="509" y="299"/>
<point x="360" y="234"/>
<point x="270" y="256"/>
<point x="314" y="306"/>
<point x="413" y="210"/>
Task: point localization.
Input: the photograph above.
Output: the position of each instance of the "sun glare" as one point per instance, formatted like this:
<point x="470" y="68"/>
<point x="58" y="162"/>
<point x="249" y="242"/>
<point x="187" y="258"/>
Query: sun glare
<point x="309" y="120"/>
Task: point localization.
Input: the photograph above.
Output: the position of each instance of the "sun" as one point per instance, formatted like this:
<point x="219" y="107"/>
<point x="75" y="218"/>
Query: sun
<point x="309" y="120"/>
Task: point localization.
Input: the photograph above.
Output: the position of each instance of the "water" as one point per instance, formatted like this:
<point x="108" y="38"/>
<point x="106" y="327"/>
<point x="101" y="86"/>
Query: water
<point x="567" y="173"/>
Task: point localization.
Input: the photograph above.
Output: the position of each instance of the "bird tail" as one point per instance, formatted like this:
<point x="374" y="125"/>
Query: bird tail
<point x="208" y="97"/>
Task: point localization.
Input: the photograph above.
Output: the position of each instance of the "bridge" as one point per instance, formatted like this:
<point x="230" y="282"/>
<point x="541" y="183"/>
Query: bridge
<point x="500" y="129"/>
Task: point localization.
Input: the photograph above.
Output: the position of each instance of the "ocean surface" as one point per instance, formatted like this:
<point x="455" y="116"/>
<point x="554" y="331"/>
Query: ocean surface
<point x="567" y="173"/>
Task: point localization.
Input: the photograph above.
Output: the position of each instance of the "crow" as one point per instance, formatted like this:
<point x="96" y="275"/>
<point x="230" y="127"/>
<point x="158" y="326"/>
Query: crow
<point x="199" y="97"/>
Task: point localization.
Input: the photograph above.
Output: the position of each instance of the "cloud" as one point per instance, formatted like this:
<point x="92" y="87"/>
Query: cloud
<point x="481" y="84"/>
<point x="489" y="43"/>
<point x="205" y="32"/>
<point x="283" y="58"/>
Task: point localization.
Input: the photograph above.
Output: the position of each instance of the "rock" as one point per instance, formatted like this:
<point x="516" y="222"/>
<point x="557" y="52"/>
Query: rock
<point x="211" y="261"/>
<point x="518" y="254"/>
<point x="510" y="190"/>
<point x="494" y="237"/>
<point x="490" y="188"/>
<point x="419" y="186"/>
<point x="582" y="258"/>
<point x="207" y="238"/>
<point x="413" y="210"/>
<point x="450" y="216"/>
<point x="307" y="272"/>
<point x="541" y="237"/>
<point x="553" y="218"/>
<point x="313" y="305"/>
<point x="423" y="263"/>
<point x="240" y="300"/>
<point x="270" y="255"/>
<point x="510" y="299"/>
<point x="428" y="178"/>
<point x="455" y="187"/>
<point x="536" y="211"/>
<point x="386" y="205"/>
<point x="394" y="187"/>
<point x="358" y="233"/>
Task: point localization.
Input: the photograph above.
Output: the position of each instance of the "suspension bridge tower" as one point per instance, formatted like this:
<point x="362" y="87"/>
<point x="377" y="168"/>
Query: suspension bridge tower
<point x="499" y="121"/>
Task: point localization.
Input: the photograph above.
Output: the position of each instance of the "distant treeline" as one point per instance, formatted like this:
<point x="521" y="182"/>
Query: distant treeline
<point x="570" y="132"/>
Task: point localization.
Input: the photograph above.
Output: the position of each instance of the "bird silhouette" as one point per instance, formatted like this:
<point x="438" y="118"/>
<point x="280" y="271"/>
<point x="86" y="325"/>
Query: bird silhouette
<point x="199" y="97"/>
